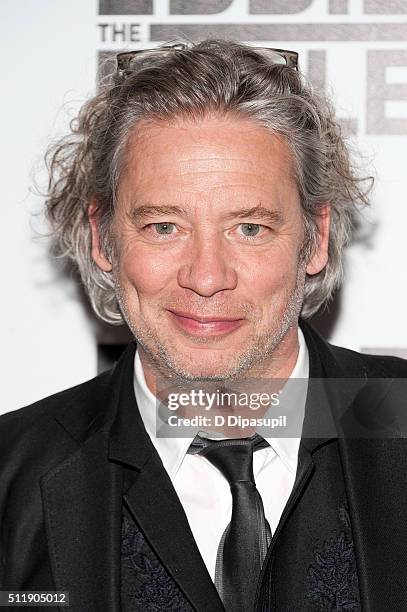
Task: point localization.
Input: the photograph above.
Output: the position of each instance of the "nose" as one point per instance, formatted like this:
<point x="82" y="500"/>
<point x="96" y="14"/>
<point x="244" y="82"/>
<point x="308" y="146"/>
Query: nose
<point x="208" y="268"/>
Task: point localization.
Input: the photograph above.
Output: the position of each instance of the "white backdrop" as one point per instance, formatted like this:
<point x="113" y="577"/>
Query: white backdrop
<point x="357" y="49"/>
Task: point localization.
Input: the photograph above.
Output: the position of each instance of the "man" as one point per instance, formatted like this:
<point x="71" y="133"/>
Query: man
<point x="206" y="195"/>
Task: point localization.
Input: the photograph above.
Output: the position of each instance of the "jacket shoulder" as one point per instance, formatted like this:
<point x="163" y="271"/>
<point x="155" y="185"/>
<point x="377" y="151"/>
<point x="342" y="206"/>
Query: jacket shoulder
<point x="33" y="435"/>
<point x="66" y="419"/>
<point x="51" y="406"/>
<point x="337" y="361"/>
<point x="379" y="366"/>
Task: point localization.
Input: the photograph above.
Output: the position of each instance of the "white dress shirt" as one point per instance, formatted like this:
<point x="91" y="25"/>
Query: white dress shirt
<point x="202" y="489"/>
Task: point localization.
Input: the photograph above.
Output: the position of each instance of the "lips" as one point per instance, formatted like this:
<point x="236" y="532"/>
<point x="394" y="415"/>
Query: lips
<point x="204" y="325"/>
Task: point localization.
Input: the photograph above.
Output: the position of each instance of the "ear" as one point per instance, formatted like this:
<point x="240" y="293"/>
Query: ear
<point x="97" y="255"/>
<point x="319" y="258"/>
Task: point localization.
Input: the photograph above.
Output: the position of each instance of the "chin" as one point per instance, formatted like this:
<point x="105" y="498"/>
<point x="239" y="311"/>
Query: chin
<point x="210" y="367"/>
<point x="202" y="370"/>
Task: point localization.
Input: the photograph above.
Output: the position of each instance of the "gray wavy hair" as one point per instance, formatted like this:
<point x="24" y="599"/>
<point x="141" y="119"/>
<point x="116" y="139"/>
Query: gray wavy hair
<point x="218" y="76"/>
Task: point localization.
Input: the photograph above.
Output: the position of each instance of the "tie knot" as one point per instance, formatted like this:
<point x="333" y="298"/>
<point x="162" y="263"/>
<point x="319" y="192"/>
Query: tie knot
<point x="232" y="457"/>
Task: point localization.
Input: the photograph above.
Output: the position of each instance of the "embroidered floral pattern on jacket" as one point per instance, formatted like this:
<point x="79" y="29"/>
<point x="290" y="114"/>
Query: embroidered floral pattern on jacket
<point x="333" y="578"/>
<point x="146" y="586"/>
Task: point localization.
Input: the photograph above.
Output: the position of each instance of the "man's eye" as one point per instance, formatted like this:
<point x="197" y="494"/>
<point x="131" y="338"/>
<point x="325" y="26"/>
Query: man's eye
<point x="250" y="229"/>
<point x="163" y="228"/>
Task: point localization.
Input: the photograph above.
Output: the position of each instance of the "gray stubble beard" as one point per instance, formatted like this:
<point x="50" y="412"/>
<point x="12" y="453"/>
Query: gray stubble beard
<point x="261" y="351"/>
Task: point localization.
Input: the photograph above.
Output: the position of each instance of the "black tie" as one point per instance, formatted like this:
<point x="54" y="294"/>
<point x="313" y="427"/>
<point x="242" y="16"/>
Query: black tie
<point x="245" y="541"/>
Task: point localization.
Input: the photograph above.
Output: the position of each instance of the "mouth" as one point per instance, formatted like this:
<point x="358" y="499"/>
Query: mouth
<point x="208" y="325"/>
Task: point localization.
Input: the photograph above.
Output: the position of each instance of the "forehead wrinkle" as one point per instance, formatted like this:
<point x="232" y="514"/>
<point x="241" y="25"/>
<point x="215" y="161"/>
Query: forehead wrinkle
<point x="146" y="165"/>
<point x="147" y="131"/>
<point x="225" y="164"/>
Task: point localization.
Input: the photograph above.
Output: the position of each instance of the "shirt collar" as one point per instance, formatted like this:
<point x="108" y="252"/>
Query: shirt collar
<point x="173" y="450"/>
<point x="287" y="448"/>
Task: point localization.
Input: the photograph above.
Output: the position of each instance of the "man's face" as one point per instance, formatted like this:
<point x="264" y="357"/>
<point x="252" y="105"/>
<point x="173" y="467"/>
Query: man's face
<point x="208" y="234"/>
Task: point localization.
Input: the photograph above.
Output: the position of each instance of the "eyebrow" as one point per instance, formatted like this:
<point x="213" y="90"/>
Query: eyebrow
<point x="145" y="211"/>
<point x="259" y="211"/>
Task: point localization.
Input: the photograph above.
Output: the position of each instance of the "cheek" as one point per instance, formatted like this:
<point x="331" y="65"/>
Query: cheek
<point x="143" y="271"/>
<point x="273" y="289"/>
<point x="272" y="286"/>
<point x="273" y="275"/>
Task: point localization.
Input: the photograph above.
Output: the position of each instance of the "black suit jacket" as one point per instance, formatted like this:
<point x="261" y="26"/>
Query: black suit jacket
<point x="71" y="464"/>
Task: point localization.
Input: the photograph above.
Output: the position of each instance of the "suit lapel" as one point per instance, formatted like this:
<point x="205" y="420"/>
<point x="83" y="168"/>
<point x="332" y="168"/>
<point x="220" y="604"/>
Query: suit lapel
<point x="374" y="459"/>
<point x="156" y="508"/>
<point x="82" y="498"/>
<point x="374" y="462"/>
<point x="115" y="462"/>
<point x="375" y="479"/>
<point x="154" y="505"/>
<point x="82" y="506"/>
